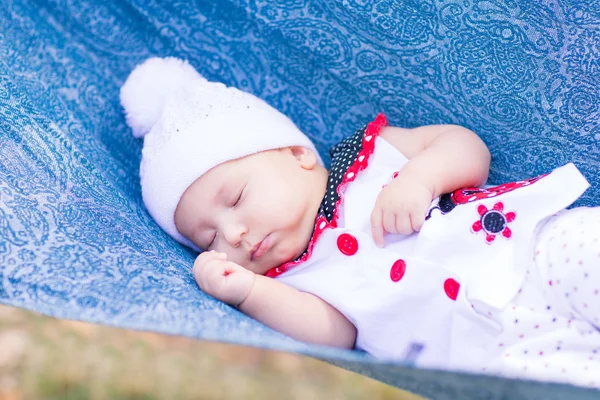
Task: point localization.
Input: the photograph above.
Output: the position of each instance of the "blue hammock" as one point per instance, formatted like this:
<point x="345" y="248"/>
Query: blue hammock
<point x="75" y="239"/>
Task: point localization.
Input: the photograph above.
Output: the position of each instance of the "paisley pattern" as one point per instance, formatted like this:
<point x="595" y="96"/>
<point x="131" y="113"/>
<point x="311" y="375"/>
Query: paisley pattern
<point x="75" y="240"/>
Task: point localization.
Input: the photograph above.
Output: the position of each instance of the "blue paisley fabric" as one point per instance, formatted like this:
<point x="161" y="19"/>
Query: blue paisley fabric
<point x="75" y="239"/>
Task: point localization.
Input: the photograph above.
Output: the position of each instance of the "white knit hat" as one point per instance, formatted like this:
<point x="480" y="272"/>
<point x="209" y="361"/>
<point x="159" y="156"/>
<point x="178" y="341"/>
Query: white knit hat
<point x="191" y="125"/>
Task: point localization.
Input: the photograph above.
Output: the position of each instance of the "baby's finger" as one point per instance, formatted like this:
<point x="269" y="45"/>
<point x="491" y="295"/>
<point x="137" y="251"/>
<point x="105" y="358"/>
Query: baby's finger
<point x="403" y="224"/>
<point x="417" y="221"/>
<point x="208" y="280"/>
<point x="204" y="259"/>
<point x="377" y="226"/>
<point x="389" y="222"/>
<point x="202" y="275"/>
<point x="230" y="267"/>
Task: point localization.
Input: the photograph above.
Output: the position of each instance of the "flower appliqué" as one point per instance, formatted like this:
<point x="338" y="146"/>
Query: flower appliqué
<point x="493" y="222"/>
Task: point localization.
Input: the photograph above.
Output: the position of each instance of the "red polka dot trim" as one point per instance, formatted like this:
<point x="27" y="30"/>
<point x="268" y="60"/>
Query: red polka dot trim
<point x="362" y="161"/>
<point x="321" y="223"/>
<point x="320" y="226"/>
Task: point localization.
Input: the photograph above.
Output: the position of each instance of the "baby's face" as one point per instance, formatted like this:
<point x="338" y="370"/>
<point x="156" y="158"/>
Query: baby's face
<point x="259" y="209"/>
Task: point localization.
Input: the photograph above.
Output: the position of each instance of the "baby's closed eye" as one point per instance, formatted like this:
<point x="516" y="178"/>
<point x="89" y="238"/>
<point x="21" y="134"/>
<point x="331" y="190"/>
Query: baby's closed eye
<point x="239" y="196"/>
<point x="212" y="241"/>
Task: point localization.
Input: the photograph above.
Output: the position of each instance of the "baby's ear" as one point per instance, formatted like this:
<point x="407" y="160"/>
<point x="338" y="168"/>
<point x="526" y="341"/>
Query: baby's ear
<point x="306" y="157"/>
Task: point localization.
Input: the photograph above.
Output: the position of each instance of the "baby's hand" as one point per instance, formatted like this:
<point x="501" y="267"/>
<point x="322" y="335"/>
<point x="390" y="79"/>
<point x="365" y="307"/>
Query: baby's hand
<point x="222" y="279"/>
<point x="400" y="207"/>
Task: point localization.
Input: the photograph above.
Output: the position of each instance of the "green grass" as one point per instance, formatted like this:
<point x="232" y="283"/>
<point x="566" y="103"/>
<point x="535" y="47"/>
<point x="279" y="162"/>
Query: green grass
<point x="49" y="359"/>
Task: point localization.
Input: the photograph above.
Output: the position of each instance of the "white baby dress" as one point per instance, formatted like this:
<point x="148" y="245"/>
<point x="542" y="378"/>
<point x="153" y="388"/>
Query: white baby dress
<point x="448" y="296"/>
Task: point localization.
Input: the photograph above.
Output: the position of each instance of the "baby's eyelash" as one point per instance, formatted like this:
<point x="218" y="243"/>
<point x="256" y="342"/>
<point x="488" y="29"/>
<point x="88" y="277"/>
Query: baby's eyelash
<point x="240" y="197"/>
<point x="212" y="241"/>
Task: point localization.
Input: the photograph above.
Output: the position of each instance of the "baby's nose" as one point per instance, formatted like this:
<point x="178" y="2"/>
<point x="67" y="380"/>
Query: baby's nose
<point x="234" y="234"/>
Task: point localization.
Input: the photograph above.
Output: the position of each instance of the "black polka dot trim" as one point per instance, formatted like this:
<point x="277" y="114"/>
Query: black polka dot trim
<point x="343" y="155"/>
<point x="348" y="158"/>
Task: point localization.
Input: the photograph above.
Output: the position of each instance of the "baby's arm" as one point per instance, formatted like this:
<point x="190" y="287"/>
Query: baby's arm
<point x="300" y="315"/>
<point x="442" y="158"/>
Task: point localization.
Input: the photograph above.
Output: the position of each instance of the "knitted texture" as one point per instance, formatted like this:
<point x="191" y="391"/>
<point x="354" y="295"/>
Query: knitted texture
<point x="191" y="125"/>
<point x="76" y="241"/>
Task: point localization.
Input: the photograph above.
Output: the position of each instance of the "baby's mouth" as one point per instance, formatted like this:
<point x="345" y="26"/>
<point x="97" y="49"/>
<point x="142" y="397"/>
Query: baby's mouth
<point x="260" y="248"/>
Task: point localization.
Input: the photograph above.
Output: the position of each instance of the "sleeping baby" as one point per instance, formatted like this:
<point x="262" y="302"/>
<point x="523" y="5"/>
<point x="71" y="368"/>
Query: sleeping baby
<point x="396" y="250"/>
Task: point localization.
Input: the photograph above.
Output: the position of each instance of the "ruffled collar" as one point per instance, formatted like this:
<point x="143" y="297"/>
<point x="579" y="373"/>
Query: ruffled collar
<point x="348" y="159"/>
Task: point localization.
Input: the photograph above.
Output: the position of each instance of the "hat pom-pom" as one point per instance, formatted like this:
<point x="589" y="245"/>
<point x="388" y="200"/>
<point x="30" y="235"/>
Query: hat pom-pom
<point x="144" y="92"/>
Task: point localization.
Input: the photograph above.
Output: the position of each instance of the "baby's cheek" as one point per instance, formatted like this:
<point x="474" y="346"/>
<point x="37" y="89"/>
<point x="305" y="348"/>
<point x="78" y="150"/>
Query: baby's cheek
<point x="290" y="250"/>
<point x="238" y="259"/>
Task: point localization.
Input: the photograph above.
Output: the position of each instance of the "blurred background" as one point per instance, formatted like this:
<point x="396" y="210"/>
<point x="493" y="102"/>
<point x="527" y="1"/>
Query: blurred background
<point x="47" y="358"/>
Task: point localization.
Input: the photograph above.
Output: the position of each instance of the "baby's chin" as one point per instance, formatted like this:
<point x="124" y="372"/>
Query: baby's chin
<point x="281" y="254"/>
<point x="295" y="250"/>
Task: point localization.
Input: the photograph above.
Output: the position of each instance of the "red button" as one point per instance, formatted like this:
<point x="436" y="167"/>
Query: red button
<point x="451" y="287"/>
<point x="398" y="270"/>
<point x="347" y="244"/>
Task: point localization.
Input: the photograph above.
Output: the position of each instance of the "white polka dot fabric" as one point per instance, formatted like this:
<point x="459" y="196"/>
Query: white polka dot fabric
<point x="568" y="255"/>
<point x="449" y="296"/>
<point x="551" y="328"/>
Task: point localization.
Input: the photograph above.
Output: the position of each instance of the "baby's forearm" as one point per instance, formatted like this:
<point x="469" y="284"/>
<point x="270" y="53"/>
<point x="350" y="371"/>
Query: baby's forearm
<point x="300" y="315"/>
<point x="454" y="159"/>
